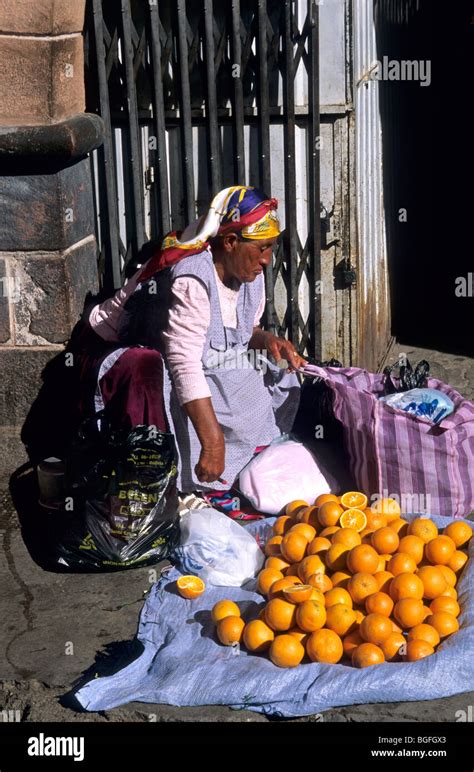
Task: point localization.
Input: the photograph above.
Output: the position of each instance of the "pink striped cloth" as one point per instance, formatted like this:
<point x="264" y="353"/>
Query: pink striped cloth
<point x="427" y="468"/>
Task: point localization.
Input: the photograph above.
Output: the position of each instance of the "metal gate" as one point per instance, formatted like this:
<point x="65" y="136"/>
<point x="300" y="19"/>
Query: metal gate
<point x="197" y="95"/>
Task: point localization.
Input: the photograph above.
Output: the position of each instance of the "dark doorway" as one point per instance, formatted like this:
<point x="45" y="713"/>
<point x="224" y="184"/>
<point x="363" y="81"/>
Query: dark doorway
<point x="427" y="135"/>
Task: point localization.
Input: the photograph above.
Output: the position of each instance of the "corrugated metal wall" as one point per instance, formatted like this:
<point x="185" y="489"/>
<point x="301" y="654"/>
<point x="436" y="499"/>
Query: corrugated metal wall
<point x="373" y="286"/>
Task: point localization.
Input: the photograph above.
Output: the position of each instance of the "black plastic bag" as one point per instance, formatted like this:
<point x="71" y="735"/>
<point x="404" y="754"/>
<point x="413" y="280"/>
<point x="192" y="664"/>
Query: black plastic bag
<point x="121" y="505"/>
<point x="315" y="408"/>
<point x="407" y="377"/>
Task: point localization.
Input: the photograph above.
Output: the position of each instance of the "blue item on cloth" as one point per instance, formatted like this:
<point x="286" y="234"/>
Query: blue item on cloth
<point x="183" y="663"/>
<point x="424" y="403"/>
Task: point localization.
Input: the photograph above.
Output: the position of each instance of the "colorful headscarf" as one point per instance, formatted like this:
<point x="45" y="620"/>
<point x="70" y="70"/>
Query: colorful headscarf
<point x="239" y="209"/>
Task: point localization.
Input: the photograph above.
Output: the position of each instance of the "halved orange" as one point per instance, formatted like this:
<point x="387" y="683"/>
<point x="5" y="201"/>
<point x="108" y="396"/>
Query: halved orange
<point x="298" y="593"/>
<point x="353" y="518"/>
<point x="190" y="587"/>
<point x="354" y="500"/>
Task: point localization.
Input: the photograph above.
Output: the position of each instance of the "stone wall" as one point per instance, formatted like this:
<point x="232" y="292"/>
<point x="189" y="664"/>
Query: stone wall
<point x="48" y="252"/>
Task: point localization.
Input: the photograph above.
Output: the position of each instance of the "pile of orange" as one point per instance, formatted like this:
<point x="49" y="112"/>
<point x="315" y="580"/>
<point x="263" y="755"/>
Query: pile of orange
<point x="347" y="582"/>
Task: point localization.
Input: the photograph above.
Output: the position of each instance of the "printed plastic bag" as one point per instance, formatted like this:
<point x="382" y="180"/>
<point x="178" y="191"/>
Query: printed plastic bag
<point x="430" y="404"/>
<point x="284" y="471"/>
<point x="124" y="513"/>
<point x="217" y="549"/>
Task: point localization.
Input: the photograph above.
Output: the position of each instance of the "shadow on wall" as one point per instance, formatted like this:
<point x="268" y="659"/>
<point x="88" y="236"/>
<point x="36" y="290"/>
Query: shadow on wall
<point x="427" y="154"/>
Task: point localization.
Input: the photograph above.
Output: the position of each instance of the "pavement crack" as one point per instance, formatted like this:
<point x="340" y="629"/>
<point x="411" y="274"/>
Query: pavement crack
<point x="26" y="602"/>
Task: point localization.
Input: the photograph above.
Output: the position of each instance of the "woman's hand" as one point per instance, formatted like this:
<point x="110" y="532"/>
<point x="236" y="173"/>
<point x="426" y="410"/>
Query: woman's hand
<point x="279" y="348"/>
<point x="211" y="463"/>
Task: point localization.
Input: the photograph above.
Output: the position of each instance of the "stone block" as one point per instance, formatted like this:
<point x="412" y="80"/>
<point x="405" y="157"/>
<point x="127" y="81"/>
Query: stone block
<point x="41" y="80"/>
<point x="81" y="275"/>
<point x="41" y="315"/>
<point x="21" y="369"/>
<point x="43" y="17"/>
<point x="46" y="212"/>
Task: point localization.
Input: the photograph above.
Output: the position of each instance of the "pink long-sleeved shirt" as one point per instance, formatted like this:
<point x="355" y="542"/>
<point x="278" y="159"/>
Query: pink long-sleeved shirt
<point x="184" y="338"/>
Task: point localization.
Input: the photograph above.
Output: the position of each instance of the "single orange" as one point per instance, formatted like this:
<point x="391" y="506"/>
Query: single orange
<point x="298" y="593"/>
<point x="324" y="497"/>
<point x="351" y="641"/>
<point x="396" y="628"/>
<point x="329" y="531"/>
<point x="440" y="550"/>
<point x="417" y="649"/>
<point x="300" y="635"/>
<point x="385" y="540"/>
<point x="389" y="508"/>
<point x="337" y="595"/>
<point x="400" y="526"/>
<point x="444" y="622"/>
<point x="340" y="579"/>
<point x="257" y="636"/>
<point x="445" y="604"/>
<point x="347" y="536"/>
<point x="354" y="500"/>
<point x="424" y="632"/>
<point x="273" y="546"/>
<point x="381" y="564"/>
<point x="341" y="619"/>
<point x="309" y="515"/>
<point x="294" y="506"/>
<point x="223" y="609"/>
<point x="375" y="628"/>
<point x="324" y="646"/>
<point x="280" y="614"/>
<point x="310" y="616"/>
<point x="312" y="564"/>
<point x="292" y="570"/>
<point x="367" y="654"/>
<point x="329" y="513"/>
<point x="190" y="587"/>
<point x="379" y="603"/>
<point x="282" y="525"/>
<point x="409" y="612"/>
<point x="457" y="561"/>
<point x="266" y="578"/>
<point x="277" y="563"/>
<point x="449" y="575"/>
<point x="449" y="592"/>
<point x="393" y="647"/>
<point x="293" y="547"/>
<point x="276" y="590"/>
<point x="319" y="546"/>
<point x="229" y="630"/>
<point x="353" y="518"/>
<point x="412" y="545"/>
<point x="286" y="651"/>
<point x="401" y="563"/>
<point x="459" y="532"/>
<point x="406" y="586"/>
<point x="320" y="582"/>
<point x="374" y="519"/>
<point x="433" y="581"/>
<point x="361" y="585"/>
<point x="424" y="528"/>
<point x="383" y="579"/>
<point x="336" y="557"/>
<point x="362" y="559"/>
<point x="305" y="530"/>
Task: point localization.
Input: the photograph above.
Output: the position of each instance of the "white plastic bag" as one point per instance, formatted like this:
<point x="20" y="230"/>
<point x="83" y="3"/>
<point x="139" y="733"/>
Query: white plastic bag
<point x="217" y="549"/>
<point x="281" y="473"/>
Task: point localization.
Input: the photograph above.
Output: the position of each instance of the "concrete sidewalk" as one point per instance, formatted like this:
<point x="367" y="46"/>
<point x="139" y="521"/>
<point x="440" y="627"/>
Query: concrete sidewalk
<point x="58" y="628"/>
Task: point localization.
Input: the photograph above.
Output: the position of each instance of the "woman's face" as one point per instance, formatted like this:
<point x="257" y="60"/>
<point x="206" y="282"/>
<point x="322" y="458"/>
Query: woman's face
<point x="245" y="260"/>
